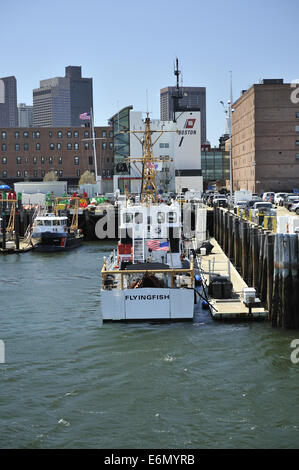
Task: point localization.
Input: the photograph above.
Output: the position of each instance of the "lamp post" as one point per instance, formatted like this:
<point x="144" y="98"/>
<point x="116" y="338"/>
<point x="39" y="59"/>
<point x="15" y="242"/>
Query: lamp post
<point x="228" y="111"/>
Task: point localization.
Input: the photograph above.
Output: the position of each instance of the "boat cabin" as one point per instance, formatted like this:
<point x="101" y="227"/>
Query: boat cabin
<point x="150" y="234"/>
<point x="50" y="223"/>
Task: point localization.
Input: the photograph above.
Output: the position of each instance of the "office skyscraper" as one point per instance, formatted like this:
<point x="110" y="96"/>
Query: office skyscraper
<point x="192" y="98"/>
<point x="25" y="114"/>
<point x="59" y="101"/>
<point x="8" y="102"/>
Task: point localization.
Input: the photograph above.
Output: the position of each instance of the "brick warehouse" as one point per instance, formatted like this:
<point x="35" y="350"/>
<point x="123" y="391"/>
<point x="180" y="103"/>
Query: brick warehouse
<point x="265" y="138"/>
<point x="27" y="154"/>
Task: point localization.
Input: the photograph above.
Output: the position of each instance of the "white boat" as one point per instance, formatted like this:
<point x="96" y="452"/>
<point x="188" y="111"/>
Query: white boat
<point x="151" y="277"/>
<point x="53" y="234"/>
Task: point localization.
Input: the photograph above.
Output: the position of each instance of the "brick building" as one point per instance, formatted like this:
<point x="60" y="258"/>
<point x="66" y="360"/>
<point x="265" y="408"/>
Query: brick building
<point x="27" y="154"/>
<point x="265" y="138"/>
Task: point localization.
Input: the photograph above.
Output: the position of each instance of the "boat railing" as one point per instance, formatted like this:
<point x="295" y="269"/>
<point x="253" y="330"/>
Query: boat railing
<point x="171" y="272"/>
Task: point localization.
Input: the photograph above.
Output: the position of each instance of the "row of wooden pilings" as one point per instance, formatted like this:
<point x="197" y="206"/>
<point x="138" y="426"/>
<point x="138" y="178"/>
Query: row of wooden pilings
<point x="267" y="261"/>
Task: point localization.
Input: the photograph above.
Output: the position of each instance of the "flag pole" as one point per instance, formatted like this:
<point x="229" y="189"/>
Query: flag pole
<point x="94" y="147"/>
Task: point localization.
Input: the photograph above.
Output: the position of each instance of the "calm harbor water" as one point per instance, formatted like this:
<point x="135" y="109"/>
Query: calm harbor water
<point x="70" y="382"/>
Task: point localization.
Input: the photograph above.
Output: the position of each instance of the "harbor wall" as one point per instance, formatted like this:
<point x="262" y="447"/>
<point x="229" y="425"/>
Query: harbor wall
<point x="267" y="261"/>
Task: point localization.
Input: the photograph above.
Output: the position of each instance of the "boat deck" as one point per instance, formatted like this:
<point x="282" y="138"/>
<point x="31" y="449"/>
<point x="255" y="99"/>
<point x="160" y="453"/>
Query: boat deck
<point x="233" y="308"/>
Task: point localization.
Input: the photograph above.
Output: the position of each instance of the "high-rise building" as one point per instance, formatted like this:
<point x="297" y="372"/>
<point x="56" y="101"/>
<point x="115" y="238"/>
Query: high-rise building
<point x="8" y="102"/>
<point x="25" y="114"/>
<point x="191" y="99"/>
<point x="265" y="137"/>
<point x="80" y="94"/>
<point x="59" y="101"/>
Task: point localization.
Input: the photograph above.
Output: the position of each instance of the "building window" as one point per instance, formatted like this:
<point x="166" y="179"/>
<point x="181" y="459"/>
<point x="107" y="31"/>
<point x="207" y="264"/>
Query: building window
<point x="50" y="134"/>
<point x="76" y="146"/>
<point x="17" y="146"/>
<point x="34" y="160"/>
<point x="3" y="147"/>
<point x="104" y="145"/>
<point x="111" y="134"/>
<point x="59" y="135"/>
<point x="60" y="173"/>
<point x="111" y="145"/>
<point x="69" y="134"/>
<point x="104" y="172"/>
<point x="56" y="172"/>
<point x="297" y="114"/>
<point x="42" y="160"/>
<point x="4" y="173"/>
<point x="86" y="134"/>
<point x="4" y="160"/>
<point x="78" y="173"/>
<point x="69" y="146"/>
<point x="26" y="147"/>
<point x="50" y="160"/>
<point x="297" y="156"/>
<point x="19" y="160"/>
<point x="76" y="160"/>
<point x="3" y="135"/>
<point x="25" y="173"/>
<point x="17" y="135"/>
<point x="86" y="146"/>
<point x="37" y="146"/>
<point x="36" y="135"/>
<point x="90" y="161"/>
<point x="60" y="160"/>
<point x="42" y="173"/>
<point x="18" y="173"/>
<point x="297" y="128"/>
<point x="52" y="147"/>
<point x="163" y="146"/>
<point x="26" y="160"/>
<point x="76" y="134"/>
<point x="25" y="134"/>
<point x="35" y="173"/>
<point x="297" y="143"/>
<point x="104" y="134"/>
<point x="59" y="146"/>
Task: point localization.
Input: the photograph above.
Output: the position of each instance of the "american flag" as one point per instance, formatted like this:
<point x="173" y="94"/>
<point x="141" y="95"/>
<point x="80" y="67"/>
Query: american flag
<point x="157" y="245"/>
<point x="85" y="116"/>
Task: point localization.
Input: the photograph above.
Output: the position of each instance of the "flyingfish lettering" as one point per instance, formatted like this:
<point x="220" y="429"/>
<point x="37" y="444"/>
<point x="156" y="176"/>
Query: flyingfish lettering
<point x="147" y="297"/>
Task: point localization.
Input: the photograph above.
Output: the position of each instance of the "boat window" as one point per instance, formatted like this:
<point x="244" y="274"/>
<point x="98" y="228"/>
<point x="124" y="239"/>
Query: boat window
<point x="39" y="222"/>
<point x="48" y="222"/>
<point x="127" y="217"/>
<point x="171" y="217"/>
<point x="138" y="218"/>
<point x="56" y="222"/>
<point x="160" y="217"/>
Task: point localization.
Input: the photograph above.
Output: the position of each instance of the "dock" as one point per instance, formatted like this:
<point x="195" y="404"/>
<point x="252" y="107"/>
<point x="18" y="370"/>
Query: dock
<point x="24" y="247"/>
<point x="232" y="308"/>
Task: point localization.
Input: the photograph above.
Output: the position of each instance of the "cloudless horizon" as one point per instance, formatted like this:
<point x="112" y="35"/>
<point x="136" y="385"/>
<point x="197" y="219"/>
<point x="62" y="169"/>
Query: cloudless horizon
<point x="129" y="49"/>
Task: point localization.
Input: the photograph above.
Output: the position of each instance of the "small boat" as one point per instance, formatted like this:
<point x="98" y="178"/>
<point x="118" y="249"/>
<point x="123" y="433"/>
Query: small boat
<point x="53" y="234"/>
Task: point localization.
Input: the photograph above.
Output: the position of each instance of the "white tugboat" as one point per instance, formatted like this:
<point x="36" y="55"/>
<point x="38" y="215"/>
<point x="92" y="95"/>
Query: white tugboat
<point x="151" y="277"/>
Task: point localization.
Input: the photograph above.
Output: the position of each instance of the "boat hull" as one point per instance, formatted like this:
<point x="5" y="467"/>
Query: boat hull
<point x="147" y="304"/>
<point x="57" y="242"/>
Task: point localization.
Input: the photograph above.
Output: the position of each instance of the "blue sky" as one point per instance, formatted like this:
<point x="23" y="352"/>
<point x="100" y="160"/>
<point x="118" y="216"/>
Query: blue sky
<point x="128" y="47"/>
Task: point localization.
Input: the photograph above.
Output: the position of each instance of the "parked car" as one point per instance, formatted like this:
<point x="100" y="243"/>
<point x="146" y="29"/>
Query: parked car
<point x="295" y="208"/>
<point x="254" y="199"/>
<point x="268" y="197"/>
<point x="220" y="201"/>
<point x="289" y="200"/>
<point x="263" y="208"/>
<point x="279" y="198"/>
